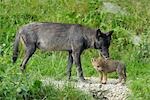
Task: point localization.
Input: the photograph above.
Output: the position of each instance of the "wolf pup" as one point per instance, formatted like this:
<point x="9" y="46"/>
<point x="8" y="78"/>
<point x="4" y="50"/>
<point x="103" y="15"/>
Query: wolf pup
<point x="73" y="38"/>
<point x="106" y="66"/>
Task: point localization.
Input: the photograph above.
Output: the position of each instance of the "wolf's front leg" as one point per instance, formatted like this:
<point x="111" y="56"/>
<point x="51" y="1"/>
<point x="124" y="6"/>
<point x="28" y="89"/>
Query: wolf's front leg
<point x="77" y="61"/>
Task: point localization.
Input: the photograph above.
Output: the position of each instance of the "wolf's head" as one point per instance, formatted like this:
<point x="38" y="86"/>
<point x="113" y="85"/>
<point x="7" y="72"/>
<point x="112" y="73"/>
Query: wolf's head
<point x="102" y="42"/>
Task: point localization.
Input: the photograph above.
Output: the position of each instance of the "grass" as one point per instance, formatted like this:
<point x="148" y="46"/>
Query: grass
<point x="134" y="20"/>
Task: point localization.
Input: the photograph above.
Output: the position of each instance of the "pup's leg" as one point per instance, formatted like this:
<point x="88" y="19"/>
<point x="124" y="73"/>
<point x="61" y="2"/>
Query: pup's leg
<point x="101" y="76"/>
<point x="120" y="73"/>
<point x="124" y="77"/>
<point x="104" y="78"/>
<point x="121" y="76"/>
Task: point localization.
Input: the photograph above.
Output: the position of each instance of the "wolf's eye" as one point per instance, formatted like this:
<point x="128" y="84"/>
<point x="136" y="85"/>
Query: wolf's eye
<point x="97" y="66"/>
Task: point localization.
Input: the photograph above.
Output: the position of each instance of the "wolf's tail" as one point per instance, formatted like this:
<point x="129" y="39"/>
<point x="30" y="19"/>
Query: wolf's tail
<point x="16" y="48"/>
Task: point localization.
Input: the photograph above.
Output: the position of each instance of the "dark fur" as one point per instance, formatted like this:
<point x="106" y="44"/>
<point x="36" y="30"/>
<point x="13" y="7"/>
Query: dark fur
<point x="73" y="38"/>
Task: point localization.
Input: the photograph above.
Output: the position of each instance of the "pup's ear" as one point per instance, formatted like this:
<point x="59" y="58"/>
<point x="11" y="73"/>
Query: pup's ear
<point x="92" y="59"/>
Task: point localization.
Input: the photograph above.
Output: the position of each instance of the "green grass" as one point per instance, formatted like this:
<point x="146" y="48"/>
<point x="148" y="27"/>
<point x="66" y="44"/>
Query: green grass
<point x="15" y="13"/>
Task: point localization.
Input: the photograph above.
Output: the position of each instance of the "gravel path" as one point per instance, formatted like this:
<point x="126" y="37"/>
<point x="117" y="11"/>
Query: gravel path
<point x="109" y="91"/>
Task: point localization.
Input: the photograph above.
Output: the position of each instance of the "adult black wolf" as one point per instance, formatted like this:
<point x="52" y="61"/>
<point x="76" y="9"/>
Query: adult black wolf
<point x="73" y="38"/>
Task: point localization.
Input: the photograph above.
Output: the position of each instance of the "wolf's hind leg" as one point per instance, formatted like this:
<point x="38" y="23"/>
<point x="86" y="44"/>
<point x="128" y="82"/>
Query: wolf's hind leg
<point x="69" y="66"/>
<point x="30" y="49"/>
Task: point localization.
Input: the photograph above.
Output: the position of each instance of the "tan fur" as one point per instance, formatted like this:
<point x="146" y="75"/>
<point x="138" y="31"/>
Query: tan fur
<point x="22" y="41"/>
<point x="107" y="66"/>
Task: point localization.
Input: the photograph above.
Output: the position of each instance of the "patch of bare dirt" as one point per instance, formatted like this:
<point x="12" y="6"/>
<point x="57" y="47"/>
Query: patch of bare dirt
<point x="109" y="91"/>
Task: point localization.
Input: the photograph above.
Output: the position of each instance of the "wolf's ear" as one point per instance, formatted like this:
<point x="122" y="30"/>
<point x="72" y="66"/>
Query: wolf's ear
<point x="99" y="33"/>
<point x="98" y="30"/>
<point x="110" y="33"/>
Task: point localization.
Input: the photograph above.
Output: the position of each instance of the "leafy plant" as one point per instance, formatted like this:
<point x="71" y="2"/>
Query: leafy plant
<point x="131" y="17"/>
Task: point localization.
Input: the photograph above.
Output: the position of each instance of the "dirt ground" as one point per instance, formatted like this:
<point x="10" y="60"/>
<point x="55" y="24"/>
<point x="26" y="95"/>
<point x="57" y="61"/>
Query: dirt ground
<point x="109" y="91"/>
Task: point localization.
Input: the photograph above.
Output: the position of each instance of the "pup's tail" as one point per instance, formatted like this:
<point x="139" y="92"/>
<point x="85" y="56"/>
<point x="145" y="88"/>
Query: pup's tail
<point x="125" y="71"/>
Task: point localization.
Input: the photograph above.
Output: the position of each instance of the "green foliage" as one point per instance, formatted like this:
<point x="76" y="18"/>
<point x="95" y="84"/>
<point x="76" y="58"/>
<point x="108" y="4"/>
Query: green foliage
<point x="19" y="86"/>
<point x="132" y="19"/>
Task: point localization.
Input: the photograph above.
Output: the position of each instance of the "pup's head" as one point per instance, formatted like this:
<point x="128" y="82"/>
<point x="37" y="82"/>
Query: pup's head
<point x="97" y="64"/>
